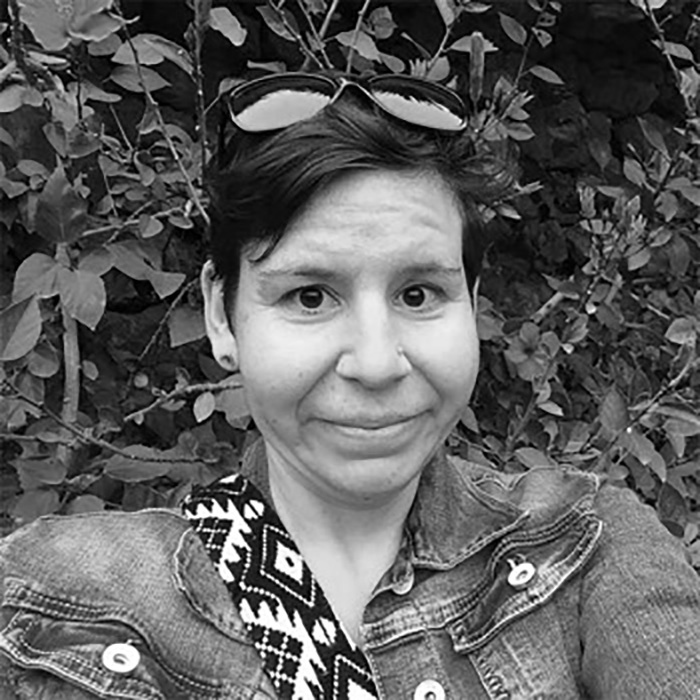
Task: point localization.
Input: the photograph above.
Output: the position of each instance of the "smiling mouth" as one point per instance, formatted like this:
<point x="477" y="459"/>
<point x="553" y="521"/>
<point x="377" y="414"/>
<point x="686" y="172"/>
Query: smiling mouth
<point x="377" y="425"/>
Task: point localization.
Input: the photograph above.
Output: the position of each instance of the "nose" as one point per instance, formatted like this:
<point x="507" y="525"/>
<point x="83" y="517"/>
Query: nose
<point x="373" y="354"/>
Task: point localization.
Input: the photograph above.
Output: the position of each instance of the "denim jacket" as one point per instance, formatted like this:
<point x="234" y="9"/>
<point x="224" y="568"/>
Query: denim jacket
<point x="608" y="606"/>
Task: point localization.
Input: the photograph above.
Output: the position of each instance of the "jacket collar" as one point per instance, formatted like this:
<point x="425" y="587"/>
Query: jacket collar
<point x="461" y="507"/>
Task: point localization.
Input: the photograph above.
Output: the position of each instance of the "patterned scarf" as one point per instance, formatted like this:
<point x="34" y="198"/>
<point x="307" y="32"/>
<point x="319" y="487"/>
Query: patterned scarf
<point x="303" y="646"/>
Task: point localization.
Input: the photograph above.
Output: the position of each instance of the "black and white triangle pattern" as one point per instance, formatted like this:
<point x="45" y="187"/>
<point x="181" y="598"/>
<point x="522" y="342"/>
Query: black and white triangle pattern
<point x="303" y="646"/>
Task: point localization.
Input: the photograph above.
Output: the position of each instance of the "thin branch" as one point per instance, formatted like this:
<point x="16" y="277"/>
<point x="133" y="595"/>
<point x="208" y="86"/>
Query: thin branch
<point x="327" y="19"/>
<point x="164" y="320"/>
<point x="152" y="104"/>
<point x="88" y="439"/>
<point x="133" y="221"/>
<point x="71" y="362"/>
<point x="200" y="24"/>
<point x="443" y="43"/>
<point x="358" y="25"/>
<point x="316" y="36"/>
<point x="298" y="39"/>
<point x="184" y="392"/>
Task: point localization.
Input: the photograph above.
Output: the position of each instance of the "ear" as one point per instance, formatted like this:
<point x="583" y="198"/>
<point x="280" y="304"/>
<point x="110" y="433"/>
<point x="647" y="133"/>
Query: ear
<point x="223" y="342"/>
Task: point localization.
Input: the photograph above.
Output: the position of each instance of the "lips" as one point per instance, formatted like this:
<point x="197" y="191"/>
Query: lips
<point x="376" y="423"/>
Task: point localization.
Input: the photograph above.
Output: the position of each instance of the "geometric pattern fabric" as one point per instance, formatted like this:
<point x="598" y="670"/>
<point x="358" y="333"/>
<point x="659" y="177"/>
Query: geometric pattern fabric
<point x="304" y="648"/>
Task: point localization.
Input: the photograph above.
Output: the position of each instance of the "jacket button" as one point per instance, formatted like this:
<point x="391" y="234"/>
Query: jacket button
<point x="121" y="658"/>
<point x="520" y="574"/>
<point x="429" y="690"/>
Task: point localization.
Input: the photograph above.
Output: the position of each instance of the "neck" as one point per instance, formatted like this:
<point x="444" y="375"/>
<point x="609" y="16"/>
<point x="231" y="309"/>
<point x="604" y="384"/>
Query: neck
<point x="347" y="545"/>
<point x="317" y="518"/>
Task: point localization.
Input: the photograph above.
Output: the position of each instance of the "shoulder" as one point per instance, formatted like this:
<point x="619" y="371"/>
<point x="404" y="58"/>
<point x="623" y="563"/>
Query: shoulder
<point x="544" y="494"/>
<point x="92" y="548"/>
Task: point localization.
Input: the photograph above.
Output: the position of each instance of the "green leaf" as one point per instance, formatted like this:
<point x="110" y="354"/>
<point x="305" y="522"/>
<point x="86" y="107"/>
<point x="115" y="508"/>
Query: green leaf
<point x="363" y="44"/>
<point x="44" y="361"/>
<point x="124" y="469"/>
<point x="149" y="226"/>
<point x="151" y="50"/>
<point x="468" y="419"/>
<point x="439" y="70"/>
<point x="7" y="138"/>
<point x="33" y="504"/>
<point x="204" y="406"/>
<point x="86" y="503"/>
<point x="95" y="27"/>
<point x="34" y="473"/>
<point x="382" y="23"/>
<point x="676" y="50"/>
<point x="232" y="402"/>
<point x="99" y="261"/>
<point x="223" y="21"/>
<point x="185" y="325"/>
<point x="165" y="283"/>
<point x="20" y="328"/>
<point x="464" y="44"/>
<point x="513" y="29"/>
<point x="61" y="214"/>
<point x="533" y="458"/>
<point x="274" y="21"/>
<point x="682" y="331"/>
<point x="643" y="449"/>
<point x="393" y="63"/>
<point x="546" y="74"/>
<point x="128" y="78"/>
<point x="83" y="295"/>
<point x="634" y="172"/>
<point x="653" y="135"/>
<point x="48" y="21"/>
<point x="447" y="10"/>
<point x="613" y="414"/>
<point x="11" y="97"/>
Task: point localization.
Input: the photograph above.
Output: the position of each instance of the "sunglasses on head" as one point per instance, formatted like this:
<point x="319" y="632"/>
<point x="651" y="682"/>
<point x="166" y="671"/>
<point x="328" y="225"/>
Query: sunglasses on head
<point x="280" y="100"/>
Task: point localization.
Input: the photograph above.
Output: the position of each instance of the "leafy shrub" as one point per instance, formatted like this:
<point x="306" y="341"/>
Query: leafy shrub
<point x="590" y="306"/>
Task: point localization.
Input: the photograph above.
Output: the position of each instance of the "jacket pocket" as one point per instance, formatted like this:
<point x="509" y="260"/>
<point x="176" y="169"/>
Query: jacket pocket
<point x="96" y="650"/>
<point x="554" y="555"/>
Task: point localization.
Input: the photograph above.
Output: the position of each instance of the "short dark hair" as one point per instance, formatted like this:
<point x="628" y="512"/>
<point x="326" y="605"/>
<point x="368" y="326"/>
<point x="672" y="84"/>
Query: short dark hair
<point x="262" y="182"/>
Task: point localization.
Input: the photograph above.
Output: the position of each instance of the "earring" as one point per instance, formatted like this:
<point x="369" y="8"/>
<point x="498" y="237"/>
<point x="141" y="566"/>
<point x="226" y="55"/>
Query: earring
<point x="228" y="362"/>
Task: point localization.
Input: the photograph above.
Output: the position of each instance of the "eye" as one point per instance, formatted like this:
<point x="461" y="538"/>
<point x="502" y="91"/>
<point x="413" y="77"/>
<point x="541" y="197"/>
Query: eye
<point x="414" y="297"/>
<point x="311" y="297"/>
<point x="311" y="300"/>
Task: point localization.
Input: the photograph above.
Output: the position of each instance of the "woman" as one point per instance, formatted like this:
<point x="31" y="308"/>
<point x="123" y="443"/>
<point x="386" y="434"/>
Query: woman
<point x="351" y="557"/>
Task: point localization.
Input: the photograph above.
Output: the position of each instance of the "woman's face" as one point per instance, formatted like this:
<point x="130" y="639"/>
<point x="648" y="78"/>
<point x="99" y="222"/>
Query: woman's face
<point x="356" y="338"/>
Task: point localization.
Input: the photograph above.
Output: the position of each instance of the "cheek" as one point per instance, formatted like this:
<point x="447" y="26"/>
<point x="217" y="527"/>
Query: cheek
<point x="450" y="360"/>
<point x="279" y="366"/>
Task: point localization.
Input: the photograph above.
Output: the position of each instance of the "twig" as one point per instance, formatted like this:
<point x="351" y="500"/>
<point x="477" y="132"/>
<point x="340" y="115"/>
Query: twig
<point x="650" y="406"/>
<point x="130" y="222"/>
<point x="327" y="19"/>
<point x="165" y="318"/>
<point x="674" y="69"/>
<point x="547" y="307"/>
<point x="308" y="53"/>
<point x="88" y="439"/>
<point x="71" y="362"/>
<point x="317" y="38"/>
<point x="152" y="104"/>
<point x="184" y="392"/>
<point x="358" y="25"/>
<point x="200" y="24"/>
<point x="445" y="38"/>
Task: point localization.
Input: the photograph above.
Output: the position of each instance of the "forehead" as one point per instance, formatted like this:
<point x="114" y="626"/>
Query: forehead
<point x="375" y="216"/>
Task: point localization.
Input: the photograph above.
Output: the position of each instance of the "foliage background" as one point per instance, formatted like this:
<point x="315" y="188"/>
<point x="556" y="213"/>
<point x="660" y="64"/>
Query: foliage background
<point x="590" y="302"/>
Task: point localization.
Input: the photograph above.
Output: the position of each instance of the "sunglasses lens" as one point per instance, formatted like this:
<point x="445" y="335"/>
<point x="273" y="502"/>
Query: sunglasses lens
<point x="278" y="101"/>
<point x="419" y="102"/>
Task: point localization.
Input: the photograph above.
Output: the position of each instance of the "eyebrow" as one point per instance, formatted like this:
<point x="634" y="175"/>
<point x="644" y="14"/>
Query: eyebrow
<point x="328" y="275"/>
